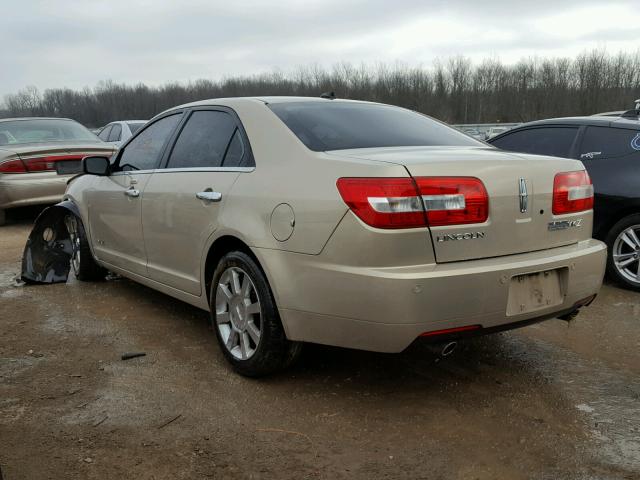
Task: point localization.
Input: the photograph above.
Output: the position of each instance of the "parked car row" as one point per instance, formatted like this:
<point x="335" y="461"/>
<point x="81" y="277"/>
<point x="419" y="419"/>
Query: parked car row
<point x="339" y="222"/>
<point x="33" y="149"/>
<point x="30" y="149"/>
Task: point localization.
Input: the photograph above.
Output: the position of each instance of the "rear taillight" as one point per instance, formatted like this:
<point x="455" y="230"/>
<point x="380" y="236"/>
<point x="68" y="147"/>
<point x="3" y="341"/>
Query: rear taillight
<point x="409" y="203"/>
<point x="12" y="166"/>
<point x="383" y="202"/>
<point x="37" y="164"/>
<point x="454" y="200"/>
<point x="572" y="192"/>
<point x="48" y="163"/>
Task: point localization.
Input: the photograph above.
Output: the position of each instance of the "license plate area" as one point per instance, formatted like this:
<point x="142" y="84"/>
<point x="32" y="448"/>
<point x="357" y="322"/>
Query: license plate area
<point x="530" y="292"/>
<point x="68" y="167"/>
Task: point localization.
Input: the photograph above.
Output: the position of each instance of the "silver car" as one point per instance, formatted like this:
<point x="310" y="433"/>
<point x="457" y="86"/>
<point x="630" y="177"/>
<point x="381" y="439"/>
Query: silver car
<point x="119" y="132"/>
<point x="30" y="150"/>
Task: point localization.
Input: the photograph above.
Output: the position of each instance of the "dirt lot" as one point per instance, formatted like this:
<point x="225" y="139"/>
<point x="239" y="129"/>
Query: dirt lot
<point x="551" y="401"/>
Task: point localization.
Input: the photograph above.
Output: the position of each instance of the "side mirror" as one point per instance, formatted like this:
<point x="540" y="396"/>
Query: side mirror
<point x="96" y="166"/>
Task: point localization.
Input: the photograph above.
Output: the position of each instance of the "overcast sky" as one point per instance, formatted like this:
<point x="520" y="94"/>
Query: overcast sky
<point x="76" y="43"/>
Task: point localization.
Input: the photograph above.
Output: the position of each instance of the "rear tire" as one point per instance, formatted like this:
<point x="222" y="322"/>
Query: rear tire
<point x="623" y="244"/>
<point x="83" y="264"/>
<point x="245" y="318"/>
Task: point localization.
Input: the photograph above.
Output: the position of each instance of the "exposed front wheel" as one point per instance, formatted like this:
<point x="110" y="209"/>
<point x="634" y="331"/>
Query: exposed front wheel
<point x="623" y="262"/>
<point x="83" y="264"/>
<point x="246" y="320"/>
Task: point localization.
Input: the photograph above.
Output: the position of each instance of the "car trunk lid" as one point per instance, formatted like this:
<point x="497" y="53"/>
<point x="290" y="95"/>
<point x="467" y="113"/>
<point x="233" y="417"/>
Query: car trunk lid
<point x="43" y="157"/>
<point x="520" y="192"/>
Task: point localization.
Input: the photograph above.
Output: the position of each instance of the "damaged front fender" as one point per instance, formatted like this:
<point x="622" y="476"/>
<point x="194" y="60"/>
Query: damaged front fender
<point x="47" y="254"/>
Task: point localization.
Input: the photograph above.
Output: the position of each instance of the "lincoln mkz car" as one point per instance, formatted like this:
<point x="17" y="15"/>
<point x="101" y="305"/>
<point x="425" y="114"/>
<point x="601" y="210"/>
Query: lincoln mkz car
<point x="30" y="150"/>
<point x="337" y="222"/>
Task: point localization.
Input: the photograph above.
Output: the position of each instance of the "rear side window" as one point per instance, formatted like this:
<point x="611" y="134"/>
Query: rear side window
<point x="144" y="151"/>
<point x="236" y="154"/>
<point x="334" y="125"/>
<point x="104" y="133"/>
<point x="134" y="127"/>
<point x="605" y="142"/>
<point x="116" y="131"/>
<point x="204" y="140"/>
<point x="554" y="141"/>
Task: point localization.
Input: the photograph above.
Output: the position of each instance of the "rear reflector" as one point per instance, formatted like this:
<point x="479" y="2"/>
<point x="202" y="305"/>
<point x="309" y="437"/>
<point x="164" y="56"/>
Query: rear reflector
<point x="12" y="166"/>
<point x="572" y="192"/>
<point x="410" y="203"/>
<point x="448" y="331"/>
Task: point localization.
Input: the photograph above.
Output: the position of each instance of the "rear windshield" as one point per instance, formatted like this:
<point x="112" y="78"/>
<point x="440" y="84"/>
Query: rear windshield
<point x="43" y="131"/>
<point x="334" y="125"/>
<point x="134" y="127"/>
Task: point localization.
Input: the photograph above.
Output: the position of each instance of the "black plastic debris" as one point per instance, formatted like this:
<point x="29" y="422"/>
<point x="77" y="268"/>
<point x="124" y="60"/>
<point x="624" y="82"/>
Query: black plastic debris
<point x="127" y="356"/>
<point x="47" y="254"/>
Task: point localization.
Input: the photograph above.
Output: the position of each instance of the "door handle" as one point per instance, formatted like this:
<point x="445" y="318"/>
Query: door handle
<point x="209" y="196"/>
<point x="132" y="192"/>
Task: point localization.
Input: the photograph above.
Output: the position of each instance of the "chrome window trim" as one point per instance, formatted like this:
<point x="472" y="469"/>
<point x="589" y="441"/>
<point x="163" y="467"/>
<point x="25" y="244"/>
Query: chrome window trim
<point x="189" y="169"/>
<point x="206" y="169"/>
<point x="130" y="172"/>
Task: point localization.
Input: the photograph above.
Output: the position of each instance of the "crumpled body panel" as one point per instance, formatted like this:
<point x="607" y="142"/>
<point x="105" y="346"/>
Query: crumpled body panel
<point x="47" y="254"/>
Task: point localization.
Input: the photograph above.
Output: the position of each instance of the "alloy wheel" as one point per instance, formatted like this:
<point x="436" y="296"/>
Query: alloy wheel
<point x="626" y="254"/>
<point x="238" y="313"/>
<point x="71" y="223"/>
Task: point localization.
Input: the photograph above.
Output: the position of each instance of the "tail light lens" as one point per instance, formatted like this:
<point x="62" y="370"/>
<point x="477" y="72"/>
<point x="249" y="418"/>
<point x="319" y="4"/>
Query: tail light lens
<point x="572" y="192"/>
<point x="37" y="164"/>
<point x="12" y="166"/>
<point x="454" y="200"/>
<point x="48" y="163"/>
<point x="409" y="203"/>
<point x="383" y="202"/>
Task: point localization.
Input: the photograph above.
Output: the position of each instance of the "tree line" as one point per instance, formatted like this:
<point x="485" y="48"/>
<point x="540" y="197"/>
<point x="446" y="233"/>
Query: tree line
<point x="454" y="90"/>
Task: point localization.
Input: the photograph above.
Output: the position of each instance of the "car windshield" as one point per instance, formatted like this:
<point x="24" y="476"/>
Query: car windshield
<point x="43" y="131"/>
<point x="335" y="125"/>
<point x="135" y="126"/>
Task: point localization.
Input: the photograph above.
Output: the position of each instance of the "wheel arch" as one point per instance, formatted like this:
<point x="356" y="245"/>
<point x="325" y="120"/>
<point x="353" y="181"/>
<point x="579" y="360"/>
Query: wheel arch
<point x="221" y="245"/>
<point x="605" y="227"/>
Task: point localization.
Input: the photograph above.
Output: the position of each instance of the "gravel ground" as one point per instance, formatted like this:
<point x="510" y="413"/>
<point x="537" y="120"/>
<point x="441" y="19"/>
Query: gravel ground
<point x="550" y="401"/>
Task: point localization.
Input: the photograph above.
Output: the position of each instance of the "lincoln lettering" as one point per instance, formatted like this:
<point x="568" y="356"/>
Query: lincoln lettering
<point x="460" y="236"/>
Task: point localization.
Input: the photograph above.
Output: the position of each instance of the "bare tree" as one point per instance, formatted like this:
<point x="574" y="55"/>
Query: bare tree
<point x="453" y="89"/>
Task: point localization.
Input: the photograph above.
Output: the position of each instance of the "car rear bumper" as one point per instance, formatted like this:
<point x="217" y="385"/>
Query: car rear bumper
<point x="386" y="309"/>
<point x="31" y="189"/>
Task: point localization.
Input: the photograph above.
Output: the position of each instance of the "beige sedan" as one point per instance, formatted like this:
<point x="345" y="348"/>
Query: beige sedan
<point x="338" y="222"/>
<point x="30" y="149"/>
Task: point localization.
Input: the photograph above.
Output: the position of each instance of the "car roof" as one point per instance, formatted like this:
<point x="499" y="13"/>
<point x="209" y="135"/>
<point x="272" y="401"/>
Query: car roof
<point x="127" y="121"/>
<point x="594" y="120"/>
<point x="230" y="101"/>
